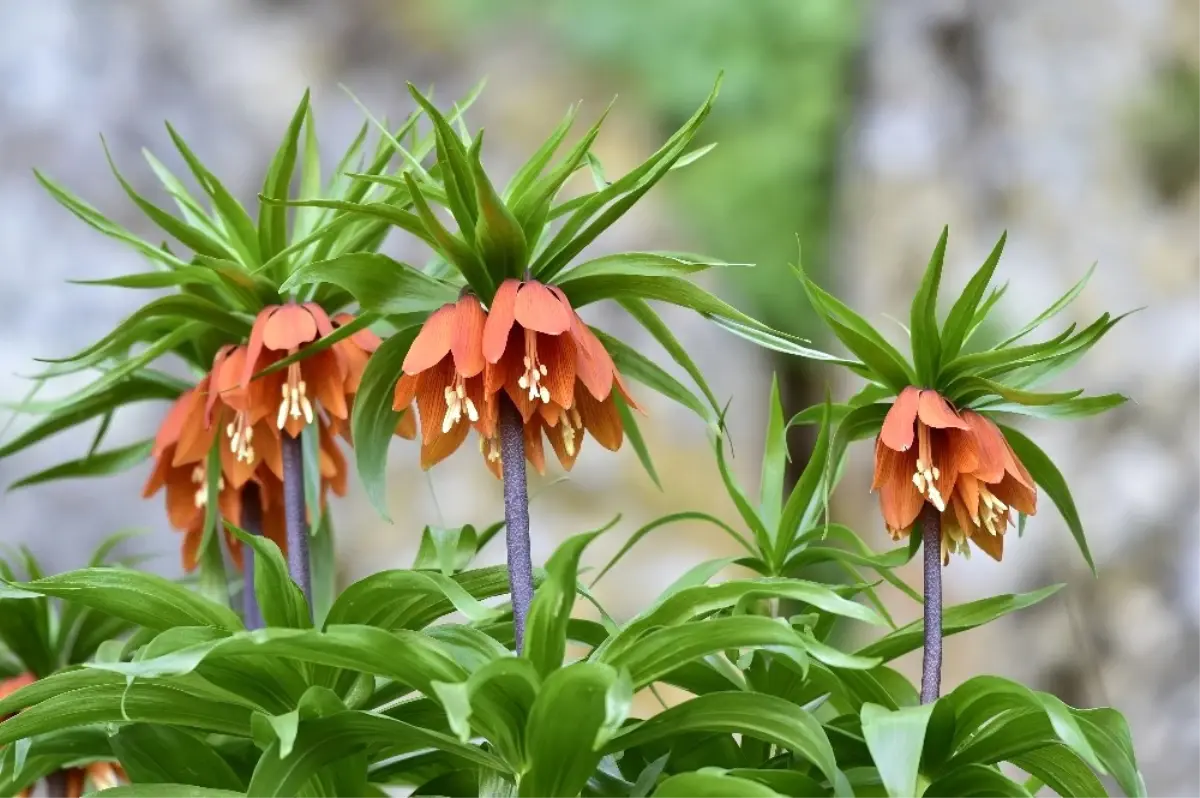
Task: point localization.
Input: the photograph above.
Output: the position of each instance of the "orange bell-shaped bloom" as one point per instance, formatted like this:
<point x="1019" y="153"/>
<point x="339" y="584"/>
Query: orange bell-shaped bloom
<point x="283" y="330"/>
<point x="356" y="351"/>
<point x="554" y="369"/>
<point x="961" y="464"/>
<point x="443" y="372"/>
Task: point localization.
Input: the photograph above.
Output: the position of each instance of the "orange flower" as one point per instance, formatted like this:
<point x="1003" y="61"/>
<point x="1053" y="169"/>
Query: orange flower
<point x="554" y="369"/>
<point x="962" y="465"/>
<point x="356" y="351"/>
<point x="280" y="331"/>
<point x="443" y="372"/>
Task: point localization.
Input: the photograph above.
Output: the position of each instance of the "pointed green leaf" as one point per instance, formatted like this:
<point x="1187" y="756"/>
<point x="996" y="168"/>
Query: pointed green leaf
<point x="532" y="169"/>
<point x="926" y="341"/>
<point x="499" y="238"/>
<point x="152" y="753"/>
<point x="1051" y="480"/>
<point x="455" y="250"/>
<point x="112" y="461"/>
<point x="775" y="460"/>
<point x="372" y="419"/>
<point x="1080" y="407"/>
<point x="377" y="282"/>
<point x="280" y="599"/>
<point x="634" y="434"/>
<point x="645" y="316"/>
<point x="635" y="365"/>
<point x="895" y="739"/>
<point x="701" y="784"/>
<point x="963" y="312"/>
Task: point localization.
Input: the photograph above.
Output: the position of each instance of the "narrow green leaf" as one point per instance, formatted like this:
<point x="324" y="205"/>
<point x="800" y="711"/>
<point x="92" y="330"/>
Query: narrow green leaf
<point x="456" y="170"/>
<point x="1079" y="407"/>
<point x="1016" y="395"/>
<point x="775" y="460"/>
<point x="143" y="598"/>
<point x="372" y="420"/>
<point x="634" y="433"/>
<point x="1062" y="770"/>
<point x="154" y="753"/>
<point x="532" y="169"/>
<point x="499" y="238"/>
<point x="550" y="611"/>
<point x="926" y="341"/>
<point x="1051" y="480"/>
<point x="757" y="715"/>
<point x="106" y="463"/>
<point x="645" y="316"/>
<point x="166" y="791"/>
<point x="635" y="365"/>
<point x="963" y="313"/>
<point x="455" y="250"/>
<point x="660" y="523"/>
<point x="701" y="784"/>
<point x="958" y="618"/>
<point x="243" y="235"/>
<point x="1059" y="305"/>
<point x="279" y="598"/>
<point x="272" y="230"/>
<point x="379" y="284"/>
<point x="975" y="780"/>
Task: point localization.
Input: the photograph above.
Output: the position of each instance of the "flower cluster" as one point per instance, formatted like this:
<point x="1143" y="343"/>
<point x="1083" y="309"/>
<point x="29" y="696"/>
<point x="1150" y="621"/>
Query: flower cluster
<point x="958" y="462"/>
<point x="529" y="346"/>
<point x="251" y="414"/>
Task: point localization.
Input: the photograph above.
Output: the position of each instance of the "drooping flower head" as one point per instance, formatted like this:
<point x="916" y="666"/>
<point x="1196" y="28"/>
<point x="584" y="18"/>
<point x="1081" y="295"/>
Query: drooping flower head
<point x="554" y="369"/>
<point x="961" y="464"/>
<point x="443" y="373"/>
<point x="938" y="441"/>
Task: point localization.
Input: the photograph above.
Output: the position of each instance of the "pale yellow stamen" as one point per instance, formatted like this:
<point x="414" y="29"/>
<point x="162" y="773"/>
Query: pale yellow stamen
<point x="457" y="402"/>
<point x="572" y="426"/>
<point x="241" y="435"/>
<point x="490" y="448"/>
<point x="199" y="477"/>
<point x="295" y="403"/>
<point x="531" y="380"/>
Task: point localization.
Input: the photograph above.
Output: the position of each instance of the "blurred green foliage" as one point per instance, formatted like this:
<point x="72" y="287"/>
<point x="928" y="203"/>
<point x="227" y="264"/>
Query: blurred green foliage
<point x="778" y="121"/>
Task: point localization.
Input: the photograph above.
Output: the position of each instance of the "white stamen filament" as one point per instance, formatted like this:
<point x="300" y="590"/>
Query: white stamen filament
<point x="457" y="402"/>
<point x="241" y="435"/>
<point x="531" y="380"/>
<point x="295" y="403"/>
<point x="199" y="477"/>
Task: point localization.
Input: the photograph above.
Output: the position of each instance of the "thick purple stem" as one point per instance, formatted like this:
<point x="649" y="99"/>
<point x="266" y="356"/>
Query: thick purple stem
<point x="296" y="516"/>
<point x="516" y="516"/>
<point x="931" y="664"/>
<point x="251" y="523"/>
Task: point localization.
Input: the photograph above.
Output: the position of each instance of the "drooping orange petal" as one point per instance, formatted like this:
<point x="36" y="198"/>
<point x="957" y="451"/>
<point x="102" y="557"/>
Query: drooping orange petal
<point x="990" y="446"/>
<point x="73" y="787"/>
<point x="538" y="309"/>
<point x="181" y="499"/>
<point x="406" y="426"/>
<point x="432" y="342"/>
<point x="601" y="420"/>
<point x="556" y="436"/>
<point x="551" y="413"/>
<point x="892" y="465"/>
<point x="190" y="551"/>
<point x="355" y="360"/>
<point x="1016" y="495"/>
<point x="623" y="389"/>
<point x="508" y="367"/>
<point x="289" y="327"/>
<point x="431" y="398"/>
<point x="254" y="349"/>
<point x="195" y="437"/>
<point x="325" y="382"/>
<point x="364" y="339"/>
<point x="593" y="364"/>
<point x="936" y="412"/>
<point x="438" y="447"/>
<point x="487" y="405"/>
<point x="966" y="496"/>
<point x="899" y="425"/>
<point x="557" y="354"/>
<point x="1013" y="464"/>
<point x="320" y="318"/>
<point x="216" y="380"/>
<point x="15" y="683"/>
<point x="158" y="477"/>
<point x="332" y="462"/>
<point x="901" y="504"/>
<point x="405" y="392"/>
<point x="953" y="454"/>
<point x="534" y="452"/>
<point x="172" y="425"/>
<point x="499" y="322"/>
<point x="467" y="341"/>
<point x="268" y="448"/>
<point x="991" y="545"/>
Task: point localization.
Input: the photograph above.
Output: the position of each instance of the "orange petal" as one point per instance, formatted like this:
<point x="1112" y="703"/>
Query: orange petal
<point x="439" y="446"/>
<point x="289" y="327"/>
<point x="556" y="436"/>
<point x="405" y="392"/>
<point x="364" y="339"/>
<point x="991" y="545"/>
<point x="487" y="405"/>
<point x="432" y="342"/>
<point x="406" y="426"/>
<point x="500" y="318"/>
<point x="623" y="389"/>
<point x="540" y="310"/>
<point x="557" y="354"/>
<point x="936" y="412"/>
<point x="325" y="382"/>
<point x="215" y="383"/>
<point x="1013" y="464"/>
<point x="899" y="426"/>
<point x="431" y="398"/>
<point x="172" y="425"/>
<point x="533" y="446"/>
<point x="593" y="364"/>
<point x="966" y="496"/>
<point x="953" y="454"/>
<point x="268" y="448"/>
<point x="320" y="318"/>
<point x="255" y="347"/>
<point x="1015" y="495"/>
<point x="892" y="466"/>
<point x="355" y="360"/>
<point x="901" y="504"/>
<point x="467" y="341"/>
<point x="989" y="445"/>
<point x="190" y="551"/>
<point x="601" y="420"/>
<point x="158" y="477"/>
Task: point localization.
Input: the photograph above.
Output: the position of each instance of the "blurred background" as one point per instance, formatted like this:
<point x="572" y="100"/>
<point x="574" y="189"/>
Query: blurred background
<point x="858" y="129"/>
